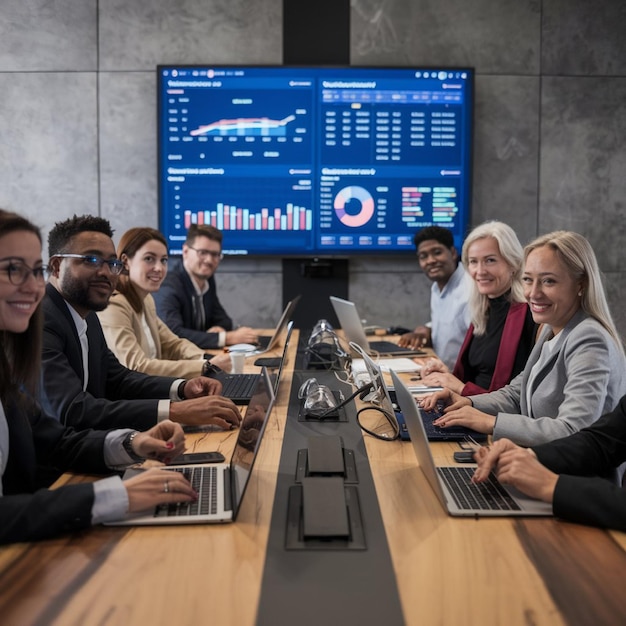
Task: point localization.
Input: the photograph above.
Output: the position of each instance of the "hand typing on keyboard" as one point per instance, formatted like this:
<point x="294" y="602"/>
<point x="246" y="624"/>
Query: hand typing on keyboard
<point x="215" y="410"/>
<point x="515" y="466"/>
<point x="155" y="486"/>
<point x="458" y="411"/>
<point x="446" y="398"/>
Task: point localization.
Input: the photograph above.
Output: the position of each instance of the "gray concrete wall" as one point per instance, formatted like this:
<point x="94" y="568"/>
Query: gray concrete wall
<point x="78" y="117"/>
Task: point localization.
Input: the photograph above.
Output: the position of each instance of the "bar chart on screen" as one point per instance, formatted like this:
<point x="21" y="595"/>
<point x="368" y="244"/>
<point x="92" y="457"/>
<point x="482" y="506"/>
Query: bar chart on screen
<point x="233" y="217"/>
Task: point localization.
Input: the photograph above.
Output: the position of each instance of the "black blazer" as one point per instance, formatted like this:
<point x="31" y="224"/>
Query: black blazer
<point x="174" y="306"/>
<point x="28" y="513"/>
<point x="581" y="495"/>
<point x="116" y="397"/>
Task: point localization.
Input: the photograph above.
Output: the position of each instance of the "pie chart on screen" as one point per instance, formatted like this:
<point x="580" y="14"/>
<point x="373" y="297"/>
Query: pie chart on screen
<point x="354" y="206"/>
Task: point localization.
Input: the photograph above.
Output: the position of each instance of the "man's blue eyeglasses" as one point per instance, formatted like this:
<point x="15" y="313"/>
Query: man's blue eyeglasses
<point x="95" y="262"/>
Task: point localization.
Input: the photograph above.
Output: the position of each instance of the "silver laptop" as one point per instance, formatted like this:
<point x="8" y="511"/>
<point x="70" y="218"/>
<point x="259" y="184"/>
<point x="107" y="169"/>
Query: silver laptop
<point x="269" y="343"/>
<point x="387" y="397"/>
<point x="352" y="326"/>
<point x="240" y="387"/>
<point x="452" y="485"/>
<point x="220" y="486"/>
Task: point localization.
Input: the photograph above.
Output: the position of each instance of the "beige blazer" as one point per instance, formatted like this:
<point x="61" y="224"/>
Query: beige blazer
<point x="125" y="336"/>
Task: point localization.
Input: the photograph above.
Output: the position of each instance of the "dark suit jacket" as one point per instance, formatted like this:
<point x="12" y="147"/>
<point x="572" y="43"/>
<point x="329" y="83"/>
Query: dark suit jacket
<point x="580" y="459"/>
<point x="28" y="513"/>
<point x="507" y="352"/>
<point x="116" y="397"/>
<point x="174" y="306"/>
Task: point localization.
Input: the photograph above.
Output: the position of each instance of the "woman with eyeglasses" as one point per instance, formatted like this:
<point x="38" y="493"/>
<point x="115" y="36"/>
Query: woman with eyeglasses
<point x="30" y="440"/>
<point x="134" y="332"/>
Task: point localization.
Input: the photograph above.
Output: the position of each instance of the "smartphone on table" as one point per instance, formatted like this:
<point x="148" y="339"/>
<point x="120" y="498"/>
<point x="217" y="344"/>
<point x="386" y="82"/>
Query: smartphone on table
<point x="198" y="457"/>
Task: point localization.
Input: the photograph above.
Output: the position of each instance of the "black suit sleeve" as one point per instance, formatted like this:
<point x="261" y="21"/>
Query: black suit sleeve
<point x="591" y="501"/>
<point x="217" y="315"/>
<point x="580" y="495"/>
<point x="45" y="513"/>
<point x="116" y="397"/>
<point x="29" y="516"/>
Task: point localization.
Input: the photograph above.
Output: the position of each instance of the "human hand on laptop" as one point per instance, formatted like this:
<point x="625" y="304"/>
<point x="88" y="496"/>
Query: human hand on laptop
<point x="433" y="364"/>
<point x="214" y="410"/>
<point x="458" y="411"/>
<point x="243" y="334"/>
<point x="202" y="386"/>
<point x="157" y="486"/>
<point x="419" y="338"/>
<point x="443" y="379"/>
<point x="222" y="361"/>
<point x="447" y="397"/>
<point x="516" y="466"/>
<point x="466" y="416"/>
<point x="162" y="442"/>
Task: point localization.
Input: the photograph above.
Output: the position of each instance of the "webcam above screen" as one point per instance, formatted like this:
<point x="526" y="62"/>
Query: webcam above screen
<point x="314" y="161"/>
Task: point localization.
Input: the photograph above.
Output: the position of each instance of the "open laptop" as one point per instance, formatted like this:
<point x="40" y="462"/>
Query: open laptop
<point x="266" y="343"/>
<point x="240" y="387"/>
<point x="352" y="326"/>
<point x="388" y="399"/>
<point x="220" y="486"/>
<point x="452" y="484"/>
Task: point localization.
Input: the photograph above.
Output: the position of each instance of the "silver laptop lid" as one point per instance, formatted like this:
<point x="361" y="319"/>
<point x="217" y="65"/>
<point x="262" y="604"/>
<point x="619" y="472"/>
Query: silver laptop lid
<point x="281" y="327"/>
<point x="376" y="376"/>
<point x="350" y="321"/>
<point x="419" y="440"/>
<point x="283" y="358"/>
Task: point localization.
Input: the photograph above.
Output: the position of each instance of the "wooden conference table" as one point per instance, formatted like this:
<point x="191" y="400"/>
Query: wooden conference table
<point x="448" y="571"/>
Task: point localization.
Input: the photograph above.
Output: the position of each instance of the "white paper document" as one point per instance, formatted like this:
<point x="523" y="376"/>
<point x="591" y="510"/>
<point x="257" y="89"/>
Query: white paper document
<point x="397" y="365"/>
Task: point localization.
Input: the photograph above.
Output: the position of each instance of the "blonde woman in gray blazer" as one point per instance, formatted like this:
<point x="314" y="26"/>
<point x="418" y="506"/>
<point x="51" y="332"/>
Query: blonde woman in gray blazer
<point x="576" y="371"/>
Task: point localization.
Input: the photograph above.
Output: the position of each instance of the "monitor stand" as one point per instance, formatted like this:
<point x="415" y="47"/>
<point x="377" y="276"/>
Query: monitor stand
<point x="316" y="280"/>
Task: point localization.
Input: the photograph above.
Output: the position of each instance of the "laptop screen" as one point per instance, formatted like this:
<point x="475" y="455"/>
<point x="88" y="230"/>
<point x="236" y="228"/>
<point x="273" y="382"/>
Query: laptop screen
<point x="249" y="437"/>
<point x="376" y="376"/>
<point x="284" y="320"/>
<point x="350" y="321"/>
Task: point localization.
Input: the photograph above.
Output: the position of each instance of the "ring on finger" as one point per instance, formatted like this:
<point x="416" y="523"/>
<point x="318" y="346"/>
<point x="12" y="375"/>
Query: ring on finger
<point x="166" y="486"/>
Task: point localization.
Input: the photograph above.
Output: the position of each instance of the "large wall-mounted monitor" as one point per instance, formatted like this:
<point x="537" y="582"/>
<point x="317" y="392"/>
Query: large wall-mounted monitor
<point x="314" y="161"/>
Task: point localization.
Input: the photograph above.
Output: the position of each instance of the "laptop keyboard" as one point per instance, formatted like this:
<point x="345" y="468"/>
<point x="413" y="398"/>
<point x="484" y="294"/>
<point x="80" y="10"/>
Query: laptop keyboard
<point x="487" y="496"/>
<point x="434" y="432"/>
<point x="239" y="385"/>
<point x="263" y="341"/>
<point x="388" y="347"/>
<point x="204" y="480"/>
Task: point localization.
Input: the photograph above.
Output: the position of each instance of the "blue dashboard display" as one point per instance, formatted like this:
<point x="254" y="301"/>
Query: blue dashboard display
<point x="314" y="161"/>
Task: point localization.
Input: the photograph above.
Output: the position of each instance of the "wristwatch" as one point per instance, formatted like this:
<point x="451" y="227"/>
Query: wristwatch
<point x="210" y="370"/>
<point x="128" y="445"/>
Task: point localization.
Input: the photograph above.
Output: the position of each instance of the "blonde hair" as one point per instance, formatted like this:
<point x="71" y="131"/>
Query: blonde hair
<point x="576" y="253"/>
<point x="511" y="251"/>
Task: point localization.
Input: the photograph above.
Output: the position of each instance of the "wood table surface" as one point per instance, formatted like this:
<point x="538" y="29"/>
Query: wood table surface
<point x="448" y="570"/>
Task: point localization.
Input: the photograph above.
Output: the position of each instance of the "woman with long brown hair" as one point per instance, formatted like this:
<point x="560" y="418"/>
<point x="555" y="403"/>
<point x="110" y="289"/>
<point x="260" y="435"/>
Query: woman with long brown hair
<point x="30" y="440"/>
<point x="134" y="332"/>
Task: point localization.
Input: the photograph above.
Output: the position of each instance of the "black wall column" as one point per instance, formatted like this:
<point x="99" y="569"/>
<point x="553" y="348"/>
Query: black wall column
<point x="315" y="33"/>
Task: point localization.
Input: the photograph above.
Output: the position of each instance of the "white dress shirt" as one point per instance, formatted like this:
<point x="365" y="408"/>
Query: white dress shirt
<point x="450" y="315"/>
